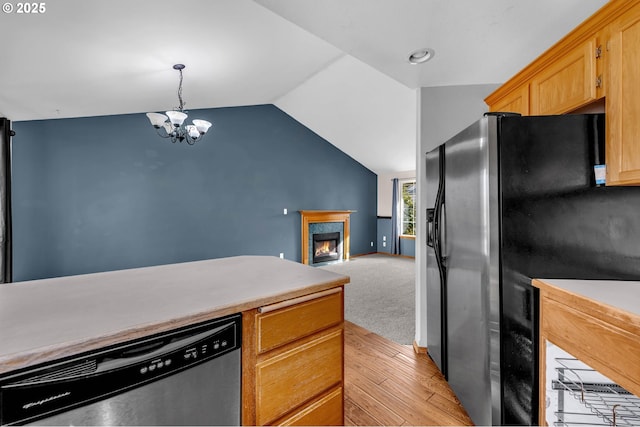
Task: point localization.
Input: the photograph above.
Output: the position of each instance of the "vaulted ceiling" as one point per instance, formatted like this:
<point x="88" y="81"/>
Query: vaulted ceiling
<point x="338" y="66"/>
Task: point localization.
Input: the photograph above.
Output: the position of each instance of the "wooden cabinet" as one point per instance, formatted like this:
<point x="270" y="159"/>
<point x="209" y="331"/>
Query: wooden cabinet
<point x="516" y="101"/>
<point x="566" y="84"/>
<point x="623" y="95"/>
<point x="293" y="361"/>
<point x="597" y="60"/>
<point x="600" y="334"/>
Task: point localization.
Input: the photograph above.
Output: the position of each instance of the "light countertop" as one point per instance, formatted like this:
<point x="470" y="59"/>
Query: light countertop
<point x="621" y="295"/>
<point x="47" y="319"/>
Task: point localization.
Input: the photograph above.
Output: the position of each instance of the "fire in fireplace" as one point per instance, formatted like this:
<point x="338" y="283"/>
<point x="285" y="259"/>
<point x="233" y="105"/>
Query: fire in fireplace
<point x="326" y="247"/>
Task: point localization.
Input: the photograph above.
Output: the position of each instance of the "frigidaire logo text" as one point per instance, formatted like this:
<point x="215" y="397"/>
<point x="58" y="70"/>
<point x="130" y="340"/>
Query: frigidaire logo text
<point x="48" y="399"/>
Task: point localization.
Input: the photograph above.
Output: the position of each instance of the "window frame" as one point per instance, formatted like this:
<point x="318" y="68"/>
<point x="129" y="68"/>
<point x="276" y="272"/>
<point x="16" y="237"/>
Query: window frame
<point x="401" y="183"/>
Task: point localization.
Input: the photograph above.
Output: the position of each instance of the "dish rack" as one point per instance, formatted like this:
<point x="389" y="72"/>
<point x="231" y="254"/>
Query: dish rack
<point x="586" y="397"/>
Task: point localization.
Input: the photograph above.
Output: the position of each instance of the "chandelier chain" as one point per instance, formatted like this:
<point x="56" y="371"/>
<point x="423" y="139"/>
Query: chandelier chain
<point x="181" y="106"/>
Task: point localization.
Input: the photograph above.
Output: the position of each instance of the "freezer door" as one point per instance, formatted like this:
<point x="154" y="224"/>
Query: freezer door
<point x="434" y="313"/>
<point x="470" y="247"/>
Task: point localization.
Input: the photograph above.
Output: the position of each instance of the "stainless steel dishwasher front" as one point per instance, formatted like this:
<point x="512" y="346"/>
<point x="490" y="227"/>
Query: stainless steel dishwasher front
<point x="190" y="376"/>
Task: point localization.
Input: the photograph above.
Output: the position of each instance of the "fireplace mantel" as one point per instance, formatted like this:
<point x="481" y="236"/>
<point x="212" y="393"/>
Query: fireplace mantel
<point x="309" y="217"/>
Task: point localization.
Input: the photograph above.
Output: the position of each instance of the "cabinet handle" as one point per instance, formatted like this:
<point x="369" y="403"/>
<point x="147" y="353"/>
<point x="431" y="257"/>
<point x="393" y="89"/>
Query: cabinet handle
<point x="294" y="301"/>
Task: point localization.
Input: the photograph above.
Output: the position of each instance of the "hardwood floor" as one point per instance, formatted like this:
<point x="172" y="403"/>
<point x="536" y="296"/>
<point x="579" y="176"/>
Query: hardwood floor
<point x="388" y="384"/>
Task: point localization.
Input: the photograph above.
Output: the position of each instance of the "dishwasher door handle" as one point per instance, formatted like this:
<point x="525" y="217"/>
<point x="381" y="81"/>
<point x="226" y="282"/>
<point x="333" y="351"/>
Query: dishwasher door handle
<point x="124" y="361"/>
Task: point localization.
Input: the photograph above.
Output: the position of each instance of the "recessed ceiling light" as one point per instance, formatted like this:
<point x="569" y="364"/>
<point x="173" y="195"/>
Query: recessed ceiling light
<point x="421" y="56"/>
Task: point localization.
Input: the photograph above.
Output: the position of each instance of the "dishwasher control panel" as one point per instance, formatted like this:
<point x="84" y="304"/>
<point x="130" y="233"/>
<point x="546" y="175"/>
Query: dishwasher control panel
<point x="221" y="342"/>
<point x="34" y="393"/>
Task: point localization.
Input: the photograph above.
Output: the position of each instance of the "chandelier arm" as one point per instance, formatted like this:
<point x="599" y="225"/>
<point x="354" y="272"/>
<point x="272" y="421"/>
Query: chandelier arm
<point x="162" y="133"/>
<point x="191" y="140"/>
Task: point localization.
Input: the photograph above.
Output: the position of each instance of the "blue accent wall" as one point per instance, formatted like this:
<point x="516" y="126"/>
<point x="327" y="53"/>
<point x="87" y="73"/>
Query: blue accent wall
<point x="105" y="193"/>
<point x="407" y="246"/>
<point x="384" y="234"/>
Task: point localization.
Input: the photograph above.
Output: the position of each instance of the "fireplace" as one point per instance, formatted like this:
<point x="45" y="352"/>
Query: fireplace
<point x="326" y="247"/>
<point x="318" y="222"/>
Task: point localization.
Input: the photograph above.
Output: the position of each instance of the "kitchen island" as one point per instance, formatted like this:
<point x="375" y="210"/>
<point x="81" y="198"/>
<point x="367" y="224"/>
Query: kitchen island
<point x="596" y="321"/>
<point x="49" y="319"/>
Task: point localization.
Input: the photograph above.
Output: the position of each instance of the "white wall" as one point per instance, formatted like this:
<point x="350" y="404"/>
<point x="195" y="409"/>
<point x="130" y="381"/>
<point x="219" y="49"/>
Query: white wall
<point x="442" y="113"/>
<point x="385" y="189"/>
<point x="361" y="111"/>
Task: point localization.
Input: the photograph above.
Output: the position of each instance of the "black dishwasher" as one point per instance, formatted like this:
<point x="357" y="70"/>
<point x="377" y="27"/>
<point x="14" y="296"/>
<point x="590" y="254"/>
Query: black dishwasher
<point x="189" y="376"/>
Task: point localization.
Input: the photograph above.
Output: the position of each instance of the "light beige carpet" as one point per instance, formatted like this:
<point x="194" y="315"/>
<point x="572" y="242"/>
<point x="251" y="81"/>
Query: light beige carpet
<point x="381" y="295"/>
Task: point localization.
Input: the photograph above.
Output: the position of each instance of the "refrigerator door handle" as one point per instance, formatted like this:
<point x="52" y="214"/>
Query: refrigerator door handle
<point x="430" y="217"/>
<point x="442" y="234"/>
<point x="442" y="270"/>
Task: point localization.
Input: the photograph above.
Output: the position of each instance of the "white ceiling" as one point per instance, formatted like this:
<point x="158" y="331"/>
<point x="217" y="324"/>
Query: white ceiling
<point x="338" y="66"/>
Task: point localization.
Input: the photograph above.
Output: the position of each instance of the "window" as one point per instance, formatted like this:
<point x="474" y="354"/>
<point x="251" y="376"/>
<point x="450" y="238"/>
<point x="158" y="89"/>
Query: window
<point x="408" y="208"/>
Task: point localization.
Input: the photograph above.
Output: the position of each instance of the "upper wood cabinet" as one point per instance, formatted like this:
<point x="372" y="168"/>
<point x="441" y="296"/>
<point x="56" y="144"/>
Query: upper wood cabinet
<point x="598" y="60"/>
<point x="623" y="100"/>
<point x="566" y="84"/>
<point x="516" y="101"/>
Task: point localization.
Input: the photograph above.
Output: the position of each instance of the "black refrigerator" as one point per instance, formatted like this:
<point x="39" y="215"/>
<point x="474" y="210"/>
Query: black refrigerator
<point x="511" y="198"/>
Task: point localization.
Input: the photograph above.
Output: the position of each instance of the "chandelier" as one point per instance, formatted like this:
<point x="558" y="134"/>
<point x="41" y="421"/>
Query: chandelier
<point x="171" y="124"/>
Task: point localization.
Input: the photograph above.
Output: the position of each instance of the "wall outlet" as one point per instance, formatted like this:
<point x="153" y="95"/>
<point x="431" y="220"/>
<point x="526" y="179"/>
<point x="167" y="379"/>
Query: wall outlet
<point x="371" y="244"/>
<point x="285" y="212"/>
<point x="384" y="244"/>
<point x="282" y="255"/>
<point x="384" y="238"/>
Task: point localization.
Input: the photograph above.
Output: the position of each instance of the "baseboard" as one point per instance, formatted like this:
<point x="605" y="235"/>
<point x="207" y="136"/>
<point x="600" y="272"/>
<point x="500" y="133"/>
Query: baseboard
<point x="418" y="349"/>
<point x="359" y="255"/>
<point x="382" y="253"/>
<point x="398" y="255"/>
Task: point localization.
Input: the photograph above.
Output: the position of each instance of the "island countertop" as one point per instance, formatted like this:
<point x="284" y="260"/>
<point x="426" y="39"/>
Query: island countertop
<point x="43" y="320"/>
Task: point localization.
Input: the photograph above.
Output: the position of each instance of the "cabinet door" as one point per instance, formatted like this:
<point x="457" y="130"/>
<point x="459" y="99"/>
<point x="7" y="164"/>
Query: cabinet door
<point x="517" y="101"/>
<point x="623" y="107"/>
<point x="567" y="83"/>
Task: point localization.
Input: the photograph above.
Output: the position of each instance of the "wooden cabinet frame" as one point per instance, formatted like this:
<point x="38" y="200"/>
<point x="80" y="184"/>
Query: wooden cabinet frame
<point x="293" y="361"/>
<point x="604" y="337"/>
<point x="623" y="107"/>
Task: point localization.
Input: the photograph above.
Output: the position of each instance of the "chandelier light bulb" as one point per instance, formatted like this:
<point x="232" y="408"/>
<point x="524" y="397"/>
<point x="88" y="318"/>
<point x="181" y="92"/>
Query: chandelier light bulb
<point x="192" y="131"/>
<point x="157" y="119"/>
<point x="202" y="125"/>
<point x="176" y="117"/>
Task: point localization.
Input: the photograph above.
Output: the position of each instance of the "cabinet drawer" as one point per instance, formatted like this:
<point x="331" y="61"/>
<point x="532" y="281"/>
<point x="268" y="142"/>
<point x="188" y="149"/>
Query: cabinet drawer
<point x="604" y="347"/>
<point x="285" y="325"/>
<point x="297" y="376"/>
<point x="325" y="411"/>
